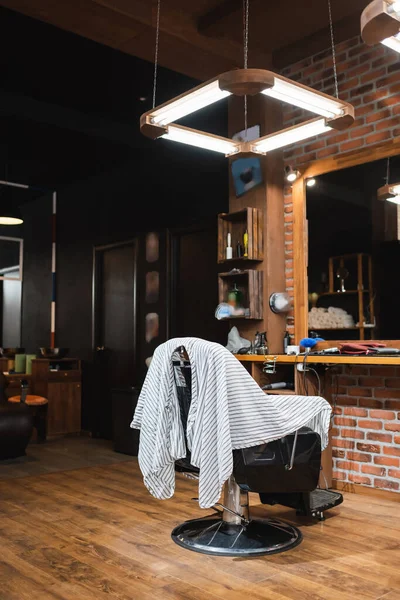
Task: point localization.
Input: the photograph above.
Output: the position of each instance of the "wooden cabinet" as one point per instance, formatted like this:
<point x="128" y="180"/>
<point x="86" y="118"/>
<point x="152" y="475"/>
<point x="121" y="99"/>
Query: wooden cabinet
<point x="64" y="410"/>
<point x="60" y="381"/>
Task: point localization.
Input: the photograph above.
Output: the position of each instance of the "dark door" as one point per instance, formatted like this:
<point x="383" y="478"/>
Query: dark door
<point x="114" y="329"/>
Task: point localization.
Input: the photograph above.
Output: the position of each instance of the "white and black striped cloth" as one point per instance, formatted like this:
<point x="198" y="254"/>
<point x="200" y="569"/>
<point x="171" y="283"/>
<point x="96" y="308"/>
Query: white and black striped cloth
<point x="228" y="411"/>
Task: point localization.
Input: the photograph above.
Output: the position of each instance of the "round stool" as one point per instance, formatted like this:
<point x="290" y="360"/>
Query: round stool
<point x="38" y="407"/>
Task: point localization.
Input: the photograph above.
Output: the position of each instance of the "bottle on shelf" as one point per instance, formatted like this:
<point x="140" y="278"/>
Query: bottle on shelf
<point x="235" y="297"/>
<point x="245" y="244"/>
<point x="239" y="249"/>
<point x="286" y="342"/>
<point x="228" y="250"/>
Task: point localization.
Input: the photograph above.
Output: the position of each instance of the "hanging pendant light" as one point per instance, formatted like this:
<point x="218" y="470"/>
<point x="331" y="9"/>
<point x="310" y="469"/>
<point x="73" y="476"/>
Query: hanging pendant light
<point x="380" y="23"/>
<point x="390" y="192"/>
<point x="159" y="122"/>
<point x="333" y="113"/>
<point x="10" y="217"/>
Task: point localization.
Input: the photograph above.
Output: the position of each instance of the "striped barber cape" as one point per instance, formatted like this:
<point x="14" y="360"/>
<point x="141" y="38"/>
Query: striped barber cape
<point x="228" y="411"/>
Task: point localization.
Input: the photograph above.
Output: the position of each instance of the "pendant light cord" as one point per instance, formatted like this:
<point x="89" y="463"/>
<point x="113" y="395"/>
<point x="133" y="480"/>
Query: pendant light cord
<point x="156" y="53"/>
<point x="387" y="171"/>
<point x="245" y="55"/>
<point x="333" y="49"/>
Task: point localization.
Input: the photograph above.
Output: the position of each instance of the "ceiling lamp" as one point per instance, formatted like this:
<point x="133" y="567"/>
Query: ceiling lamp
<point x="10" y="219"/>
<point x="380" y="23"/>
<point x="333" y="113"/>
<point x="291" y="174"/>
<point x="390" y="192"/>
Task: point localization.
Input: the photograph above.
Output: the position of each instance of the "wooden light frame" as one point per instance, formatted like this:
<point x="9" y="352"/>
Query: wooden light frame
<point x="300" y="238"/>
<point x="386" y="192"/>
<point x="249" y="82"/>
<point x="378" y="22"/>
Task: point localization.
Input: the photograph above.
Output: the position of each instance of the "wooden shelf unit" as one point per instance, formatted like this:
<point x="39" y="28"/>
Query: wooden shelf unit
<point x="237" y="223"/>
<point x="250" y="283"/>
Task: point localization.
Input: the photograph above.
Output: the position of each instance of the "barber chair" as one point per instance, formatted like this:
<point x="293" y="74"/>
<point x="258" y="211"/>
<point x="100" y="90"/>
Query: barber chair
<point x="285" y="471"/>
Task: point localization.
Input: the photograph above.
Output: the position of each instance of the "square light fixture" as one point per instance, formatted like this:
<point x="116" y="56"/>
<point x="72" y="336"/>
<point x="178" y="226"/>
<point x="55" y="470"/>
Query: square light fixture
<point x="380" y="23"/>
<point x="390" y="192"/>
<point x="332" y="112"/>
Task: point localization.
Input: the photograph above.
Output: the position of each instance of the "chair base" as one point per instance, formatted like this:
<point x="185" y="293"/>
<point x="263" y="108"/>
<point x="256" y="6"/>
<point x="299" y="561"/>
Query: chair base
<point x="212" y="535"/>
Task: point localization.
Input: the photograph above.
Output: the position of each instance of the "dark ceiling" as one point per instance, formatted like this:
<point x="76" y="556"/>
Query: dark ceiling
<point x="203" y="38"/>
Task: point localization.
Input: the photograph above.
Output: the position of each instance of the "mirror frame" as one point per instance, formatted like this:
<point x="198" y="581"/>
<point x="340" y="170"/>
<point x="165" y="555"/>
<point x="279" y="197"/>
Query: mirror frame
<point x="300" y="235"/>
<point x="21" y="258"/>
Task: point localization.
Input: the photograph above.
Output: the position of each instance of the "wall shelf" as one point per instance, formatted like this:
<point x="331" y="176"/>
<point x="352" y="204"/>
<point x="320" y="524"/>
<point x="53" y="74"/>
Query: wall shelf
<point x="250" y="284"/>
<point x="237" y="223"/>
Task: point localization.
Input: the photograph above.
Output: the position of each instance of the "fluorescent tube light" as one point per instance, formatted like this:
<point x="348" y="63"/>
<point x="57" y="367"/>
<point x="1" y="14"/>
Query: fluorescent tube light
<point x="200" y="140"/>
<point x="204" y="96"/>
<point x="393" y="42"/>
<point x="395" y="189"/>
<point x="394" y="199"/>
<point x="10" y="221"/>
<point x="309" y="100"/>
<point x="290" y="136"/>
<point x="394" y="7"/>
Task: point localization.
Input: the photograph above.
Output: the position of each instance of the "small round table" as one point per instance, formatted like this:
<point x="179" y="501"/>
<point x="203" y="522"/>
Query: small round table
<point x="38" y="407"/>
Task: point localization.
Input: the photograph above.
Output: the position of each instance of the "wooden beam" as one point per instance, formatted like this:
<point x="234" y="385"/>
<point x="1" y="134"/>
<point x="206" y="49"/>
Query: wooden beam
<point x="206" y="23"/>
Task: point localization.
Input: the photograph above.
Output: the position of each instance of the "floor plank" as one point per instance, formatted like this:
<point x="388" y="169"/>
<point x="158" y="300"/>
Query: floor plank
<point x="94" y="532"/>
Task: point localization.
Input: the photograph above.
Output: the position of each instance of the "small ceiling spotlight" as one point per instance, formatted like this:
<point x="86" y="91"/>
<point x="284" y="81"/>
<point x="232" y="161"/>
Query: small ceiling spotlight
<point x="290" y="174"/>
<point x="311" y="182"/>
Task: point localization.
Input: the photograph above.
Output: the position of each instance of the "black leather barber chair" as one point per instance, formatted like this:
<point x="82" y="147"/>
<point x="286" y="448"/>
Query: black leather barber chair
<point x="285" y="471"/>
<point x="15" y="429"/>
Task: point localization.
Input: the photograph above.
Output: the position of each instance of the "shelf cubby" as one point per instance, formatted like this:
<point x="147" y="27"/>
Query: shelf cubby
<point x="250" y="283"/>
<point x="237" y="223"/>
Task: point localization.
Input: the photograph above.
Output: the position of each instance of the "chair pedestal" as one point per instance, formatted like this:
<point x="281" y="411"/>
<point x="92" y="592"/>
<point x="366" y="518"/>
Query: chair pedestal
<point x="234" y="534"/>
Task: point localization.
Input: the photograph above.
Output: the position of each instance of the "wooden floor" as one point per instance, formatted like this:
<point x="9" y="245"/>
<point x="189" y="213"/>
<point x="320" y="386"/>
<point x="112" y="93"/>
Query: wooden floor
<point x="95" y="533"/>
<point x="62" y="454"/>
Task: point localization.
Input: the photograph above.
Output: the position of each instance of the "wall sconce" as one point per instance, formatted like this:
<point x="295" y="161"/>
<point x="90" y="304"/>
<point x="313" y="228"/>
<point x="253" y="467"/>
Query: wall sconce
<point x="380" y="23"/>
<point x="290" y="174"/>
<point x="311" y="182"/>
<point x="390" y="192"/>
<point x="279" y="302"/>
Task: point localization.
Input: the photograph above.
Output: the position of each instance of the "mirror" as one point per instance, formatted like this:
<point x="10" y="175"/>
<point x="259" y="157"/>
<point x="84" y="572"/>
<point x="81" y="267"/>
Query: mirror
<point x="354" y="253"/>
<point x="11" y="252"/>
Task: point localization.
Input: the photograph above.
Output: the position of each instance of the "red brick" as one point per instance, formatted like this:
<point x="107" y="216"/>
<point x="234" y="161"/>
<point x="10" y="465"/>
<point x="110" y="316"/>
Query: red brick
<point x="336" y="139"/>
<point x="357" y="412"/>
<point x="388" y="80"/>
<point x="375" y="138"/>
<point x="359" y="457"/>
<point x="393" y="383"/>
<point x="372" y="75"/>
<point x="374" y="448"/>
<point x="378" y="115"/>
<point x="328" y="151"/>
<point x="349" y="84"/>
<point x="374" y="96"/>
<point x="370" y="470"/>
<point x="353" y="433"/>
<point x="346" y="380"/>
<point x="356" y="370"/>
<point x="392" y="426"/>
<point x="394" y="473"/>
<point x="379" y="437"/>
<point x="386" y="124"/>
<point x="387" y="461"/>
<point x="339" y="443"/>
<point x="339" y="475"/>
<point x="351" y="145"/>
<point x="384" y="371"/>
<point x="359" y="479"/>
<point x="338" y="453"/>
<point x="347" y="465"/>
<point x="396" y="439"/>
<point x="382" y="414"/>
<point x="317" y="145"/>
<point x="386" y="484"/>
<point x="391" y="451"/>
<point x="345" y="421"/>
<point x="372" y="381"/>
<point x="346" y="400"/>
<point x="359" y="391"/>
<point x="337" y="410"/>
<point x="370" y="402"/>
<point x="368" y="424"/>
<point x="361" y="131"/>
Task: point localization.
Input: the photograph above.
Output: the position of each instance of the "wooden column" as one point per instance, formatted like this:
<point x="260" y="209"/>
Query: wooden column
<point x="269" y="198"/>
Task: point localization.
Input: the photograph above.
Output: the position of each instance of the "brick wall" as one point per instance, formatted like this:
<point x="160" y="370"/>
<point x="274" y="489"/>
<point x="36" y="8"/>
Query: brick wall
<point x="369" y="78"/>
<point x="366" y="431"/>
<point x="366" y="428"/>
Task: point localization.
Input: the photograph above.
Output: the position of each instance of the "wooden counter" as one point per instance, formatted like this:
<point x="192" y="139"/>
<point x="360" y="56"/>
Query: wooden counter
<point x="331" y="360"/>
